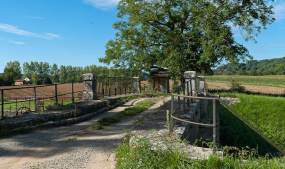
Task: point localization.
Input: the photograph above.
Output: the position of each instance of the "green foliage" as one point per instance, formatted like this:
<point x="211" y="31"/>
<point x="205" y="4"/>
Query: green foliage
<point x="236" y="87"/>
<point x="143" y="157"/>
<point x="254" y="67"/>
<point x="183" y="35"/>
<point x="60" y="107"/>
<point x="5" y="99"/>
<point x="12" y="72"/>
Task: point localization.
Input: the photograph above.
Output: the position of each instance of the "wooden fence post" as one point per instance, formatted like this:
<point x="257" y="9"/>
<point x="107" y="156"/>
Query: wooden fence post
<point x="2" y="104"/>
<point x="214" y="126"/>
<point x="35" y="99"/>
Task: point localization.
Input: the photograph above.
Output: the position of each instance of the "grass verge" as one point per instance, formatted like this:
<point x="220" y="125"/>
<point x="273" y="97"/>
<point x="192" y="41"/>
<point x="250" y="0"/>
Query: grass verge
<point x="265" y="113"/>
<point x="132" y="111"/>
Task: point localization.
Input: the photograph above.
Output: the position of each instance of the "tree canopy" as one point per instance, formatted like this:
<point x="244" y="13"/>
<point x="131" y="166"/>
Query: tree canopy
<point x="12" y="72"/>
<point x="184" y="35"/>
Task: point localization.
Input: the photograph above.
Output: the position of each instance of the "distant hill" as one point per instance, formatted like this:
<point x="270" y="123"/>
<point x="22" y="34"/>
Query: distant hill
<point x="263" y="67"/>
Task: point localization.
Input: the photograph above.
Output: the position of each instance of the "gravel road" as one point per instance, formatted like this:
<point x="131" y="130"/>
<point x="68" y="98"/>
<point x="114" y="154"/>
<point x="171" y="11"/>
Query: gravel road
<point x="61" y="147"/>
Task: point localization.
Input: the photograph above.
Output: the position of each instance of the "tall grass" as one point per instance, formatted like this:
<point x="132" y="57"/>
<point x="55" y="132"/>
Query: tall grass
<point x="143" y="157"/>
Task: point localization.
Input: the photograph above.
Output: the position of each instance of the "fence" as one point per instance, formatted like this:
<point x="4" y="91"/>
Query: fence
<point x="19" y="100"/>
<point x="113" y="86"/>
<point x="24" y="99"/>
<point x="183" y="99"/>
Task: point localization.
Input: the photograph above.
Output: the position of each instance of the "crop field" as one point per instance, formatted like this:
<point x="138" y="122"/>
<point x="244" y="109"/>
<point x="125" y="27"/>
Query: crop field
<point x="273" y="84"/>
<point x="265" y="113"/>
<point x="47" y="91"/>
<point x="270" y="80"/>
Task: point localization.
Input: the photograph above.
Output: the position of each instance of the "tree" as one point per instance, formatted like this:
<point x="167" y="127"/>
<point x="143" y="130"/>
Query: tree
<point x="54" y="73"/>
<point x="46" y="80"/>
<point x="35" y="78"/>
<point x="183" y="35"/>
<point x="12" y="72"/>
<point x="241" y="71"/>
<point x="252" y="72"/>
<point x="62" y="74"/>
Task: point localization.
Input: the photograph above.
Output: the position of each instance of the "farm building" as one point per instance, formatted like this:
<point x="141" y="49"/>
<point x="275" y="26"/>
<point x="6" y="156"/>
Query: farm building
<point x="19" y="82"/>
<point x="160" y="79"/>
<point x="23" y="82"/>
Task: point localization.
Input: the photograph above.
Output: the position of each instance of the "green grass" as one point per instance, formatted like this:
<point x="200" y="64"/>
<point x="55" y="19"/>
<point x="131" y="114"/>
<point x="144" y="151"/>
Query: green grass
<point x="263" y="112"/>
<point x="12" y="104"/>
<point x="132" y="111"/>
<point x="270" y="80"/>
<point x="143" y="157"/>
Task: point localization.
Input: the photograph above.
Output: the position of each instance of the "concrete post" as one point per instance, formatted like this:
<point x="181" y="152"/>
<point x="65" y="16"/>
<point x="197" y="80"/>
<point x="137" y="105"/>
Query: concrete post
<point x="202" y="87"/>
<point x="89" y="87"/>
<point x="137" y="85"/>
<point x="191" y="75"/>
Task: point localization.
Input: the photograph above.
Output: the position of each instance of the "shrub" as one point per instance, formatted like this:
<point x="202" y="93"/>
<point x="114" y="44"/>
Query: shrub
<point x="236" y="87"/>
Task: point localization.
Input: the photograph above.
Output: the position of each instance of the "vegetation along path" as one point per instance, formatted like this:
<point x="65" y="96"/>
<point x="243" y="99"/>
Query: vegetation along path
<point x="73" y="146"/>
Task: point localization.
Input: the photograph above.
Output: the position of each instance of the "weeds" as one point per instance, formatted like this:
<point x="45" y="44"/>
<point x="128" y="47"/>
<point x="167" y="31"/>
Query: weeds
<point x="132" y="111"/>
<point x="144" y="157"/>
<point x="72" y="138"/>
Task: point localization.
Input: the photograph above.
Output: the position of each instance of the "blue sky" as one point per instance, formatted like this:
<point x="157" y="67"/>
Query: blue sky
<point x="74" y="32"/>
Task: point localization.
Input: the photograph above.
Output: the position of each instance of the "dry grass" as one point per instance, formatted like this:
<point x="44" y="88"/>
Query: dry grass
<point x="253" y="88"/>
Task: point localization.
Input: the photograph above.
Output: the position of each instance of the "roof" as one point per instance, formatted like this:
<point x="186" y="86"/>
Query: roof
<point x="159" y="74"/>
<point x="20" y="80"/>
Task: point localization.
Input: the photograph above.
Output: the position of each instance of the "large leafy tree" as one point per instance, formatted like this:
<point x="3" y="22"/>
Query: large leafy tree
<point x="12" y="72"/>
<point x="184" y="35"/>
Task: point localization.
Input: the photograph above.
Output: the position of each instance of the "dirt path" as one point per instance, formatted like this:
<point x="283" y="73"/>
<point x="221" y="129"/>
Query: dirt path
<point x="61" y="148"/>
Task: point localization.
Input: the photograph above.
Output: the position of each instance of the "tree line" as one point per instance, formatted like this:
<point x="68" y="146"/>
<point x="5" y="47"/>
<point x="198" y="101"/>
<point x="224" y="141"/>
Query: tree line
<point x="254" y="68"/>
<point x="44" y="73"/>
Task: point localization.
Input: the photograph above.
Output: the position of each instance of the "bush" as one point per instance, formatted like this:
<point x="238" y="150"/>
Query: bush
<point x="236" y="87"/>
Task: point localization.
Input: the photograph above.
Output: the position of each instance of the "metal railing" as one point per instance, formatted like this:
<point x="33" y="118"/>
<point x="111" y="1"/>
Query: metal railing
<point x="182" y="97"/>
<point x="113" y="86"/>
<point x="181" y="100"/>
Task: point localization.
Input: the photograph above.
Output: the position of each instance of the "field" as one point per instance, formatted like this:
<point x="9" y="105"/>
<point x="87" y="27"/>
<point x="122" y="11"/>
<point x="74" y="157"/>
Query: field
<point x="62" y="89"/>
<point x="274" y="84"/>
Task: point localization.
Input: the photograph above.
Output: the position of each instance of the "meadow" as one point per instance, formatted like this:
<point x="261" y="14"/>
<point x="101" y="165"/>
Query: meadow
<point x="271" y="84"/>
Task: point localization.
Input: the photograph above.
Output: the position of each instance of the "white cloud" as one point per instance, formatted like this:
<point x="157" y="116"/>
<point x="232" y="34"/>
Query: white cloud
<point x="102" y="4"/>
<point x="14" y="30"/>
<point x="12" y="41"/>
<point x="279" y="9"/>
<point x="17" y="43"/>
<point x="51" y="36"/>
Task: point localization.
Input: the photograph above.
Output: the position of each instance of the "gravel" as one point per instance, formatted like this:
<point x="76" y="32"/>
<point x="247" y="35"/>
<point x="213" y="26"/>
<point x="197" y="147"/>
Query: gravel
<point x="59" y="147"/>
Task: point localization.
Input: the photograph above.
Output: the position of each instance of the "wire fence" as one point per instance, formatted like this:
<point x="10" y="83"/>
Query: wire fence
<point x="18" y="100"/>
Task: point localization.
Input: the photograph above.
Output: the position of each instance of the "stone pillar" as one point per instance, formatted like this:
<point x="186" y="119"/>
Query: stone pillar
<point x="89" y="87"/>
<point x="191" y="75"/>
<point x="137" y="85"/>
<point x="202" y="87"/>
